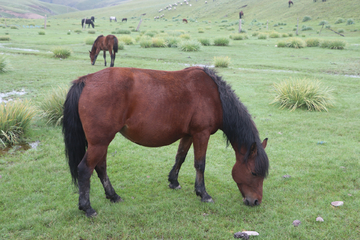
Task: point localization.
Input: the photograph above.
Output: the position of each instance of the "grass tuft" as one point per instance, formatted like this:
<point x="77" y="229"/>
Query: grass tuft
<point x="4" y="65"/>
<point x="293" y="42"/>
<point x="312" y="42"/>
<point x="126" y="39"/>
<point x="221" y="41"/>
<point x="190" y="46"/>
<point x="303" y="93"/>
<point x="53" y="105"/>
<point x="221" y="62"/>
<point x="333" y="44"/>
<point x="61" y="52"/>
<point x="204" y="41"/>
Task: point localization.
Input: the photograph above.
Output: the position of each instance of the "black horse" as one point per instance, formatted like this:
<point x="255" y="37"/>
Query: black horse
<point x="124" y="20"/>
<point x="290" y="3"/>
<point x="88" y="21"/>
<point x="241" y="14"/>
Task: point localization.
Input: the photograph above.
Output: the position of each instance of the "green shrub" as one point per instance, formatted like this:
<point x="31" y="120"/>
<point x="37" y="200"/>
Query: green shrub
<point x="341" y="30"/>
<point x="190" y="46"/>
<point x="126" y="39"/>
<point x="121" y="45"/>
<point x="333" y="44"/>
<point x="312" y="42"/>
<point x="221" y="61"/>
<point x="60" y="52"/>
<point x="15" y="119"/>
<point x="200" y="30"/>
<point x="122" y="31"/>
<point x="306" y="28"/>
<point x="4" y="66"/>
<point x="303" y="93"/>
<point x="293" y="42"/>
<point x="339" y="20"/>
<point x="14" y="27"/>
<point x="185" y="36"/>
<point x="238" y="36"/>
<point x="284" y="35"/>
<point x="145" y="42"/>
<point x="221" y="41"/>
<point x="274" y="34"/>
<point x="91" y="32"/>
<point x="89" y="41"/>
<point x="290" y="34"/>
<point x="204" y="41"/>
<point x="255" y="34"/>
<point x="350" y="21"/>
<point x="158" y="42"/>
<point x="53" y="106"/>
<point x="306" y="18"/>
<point x="323" y="22"/>
<point x="4" y="38"/>
<point x="41" y="33"/>
<point x="172" y="41"/>
<point x="262" y="36"/>
<point x="77" y="31"/>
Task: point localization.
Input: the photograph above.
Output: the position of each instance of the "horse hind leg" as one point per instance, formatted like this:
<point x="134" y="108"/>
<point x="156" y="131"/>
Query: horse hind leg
<point x="109" y="190"/>
<point x="104" y="56"/>
<point x="112" y="58"/>
<point x="183" y="149"/>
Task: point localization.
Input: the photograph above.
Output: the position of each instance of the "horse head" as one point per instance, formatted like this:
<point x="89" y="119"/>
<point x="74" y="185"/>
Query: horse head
<point x="249" y="172"/>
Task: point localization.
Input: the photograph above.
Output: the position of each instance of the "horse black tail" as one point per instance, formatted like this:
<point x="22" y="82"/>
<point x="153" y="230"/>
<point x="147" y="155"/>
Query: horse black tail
<point x="82" y="22"/>
<point x="115" y="47"/>
<point x="74" y="136"/>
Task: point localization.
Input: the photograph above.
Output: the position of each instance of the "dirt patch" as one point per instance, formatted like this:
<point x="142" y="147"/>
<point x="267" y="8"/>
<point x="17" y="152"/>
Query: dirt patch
<point x="23" y="15"/>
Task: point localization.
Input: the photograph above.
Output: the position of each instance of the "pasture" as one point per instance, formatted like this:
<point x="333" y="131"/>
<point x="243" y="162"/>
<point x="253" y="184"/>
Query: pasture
<point x="319" y="150"/>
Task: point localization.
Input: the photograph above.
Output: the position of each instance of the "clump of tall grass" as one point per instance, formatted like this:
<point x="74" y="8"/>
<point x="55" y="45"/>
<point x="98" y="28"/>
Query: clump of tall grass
<point x="77" y="31"/>
<point x="333" y="44"/>
<point x="350" y="21"/>
<point x="204" y="41"/>
<point x="303" y="93"/>
<point x="262" y="36"/>
<point x="312" y="42"/>
<point x="323" y="22"/>
<point x="221" y="61"/>
<point x="200" y="30"/>
<point x="121" y="45"/>
<point x="145" y="42"/>
<point x="61" y="52"/>
<point x="15" y="120"/>
<point x="89" y="40"/>
<point x="126" y="39"/>
<point x="185" y="36"/>
<point x="221" y="41"/>
<point x="121" y="31"/>
<point x="158" y="42"/>
<point x="293" y="42"/>
<point x="306" y="28"/>
<point x="172" y="41"/>
<point x="306" y="18"/>
<point x="274" y="34"/>
<point x="238" y="36"/>
<point x="4" y="38"/>
<point x="339" y="20"/>
<point x="91" y="32"/>
<point x="4" y="65"/>
<point x="189" y="46"/>
<point x="284" y="35"/>
<point x="53" y="106"/>
<point x="255" y="34"/>
<point x="340" y="30"/>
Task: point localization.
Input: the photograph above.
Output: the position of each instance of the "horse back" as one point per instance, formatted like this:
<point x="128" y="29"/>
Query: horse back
<point x="150" y="107"/>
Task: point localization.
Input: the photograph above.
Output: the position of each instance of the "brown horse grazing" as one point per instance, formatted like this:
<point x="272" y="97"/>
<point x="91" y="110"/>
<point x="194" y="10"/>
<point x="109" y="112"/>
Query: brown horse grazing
<point x="156" y="108"/>
<point x="108" y="43"/>
<point x="241" y="14"/>
<point x="124" y="20"/>
<point x="185" y="20"/>
<point x="290" y="2"/>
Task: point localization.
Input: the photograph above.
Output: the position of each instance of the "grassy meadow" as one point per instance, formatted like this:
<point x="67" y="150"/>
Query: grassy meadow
<point x="319" y="150"/>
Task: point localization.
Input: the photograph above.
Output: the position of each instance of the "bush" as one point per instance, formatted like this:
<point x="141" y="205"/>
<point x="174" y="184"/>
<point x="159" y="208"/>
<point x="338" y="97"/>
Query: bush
<point x="126" y="39"/>
<point x="306" y="28"/>
<point x="339" y="20"/>
<point x="53" y="106"/>
<point x="312" y="42"/>
<point x="200" y="30"/>
<point x="190" y="46"/>
<point x="341" y="30"/>
<point x="221" y="61"/>
<point x="15" y="119"/>
<point x="274" y="35"/>
<point x="172" y="41"/>
<point x="204" y="41"/>
<point x="284" y="35"/>
<point x="222" y="41"/>
<point x="145" y="42"/>
<point x="238" y="36"/>
<point x="13" y="27"/>
<point x="350" y="21"/>
<point x="77" y="31"/>
<point x="306" y="18"/>
<point x="303" y="93"/>
<point x="41" y="33"/>
<point x="4" y="66"/>
<point x="333" y="44"/>
<point x="158" y="42"/>
<point x="121" y="45"/>
<point x="262" y="36"/>
<point x="255" y="34"/>
<point x="60" y="52"/>
<point x="91" y="32"/>
<point x="293" y="42"/>
<point x="122" y="31"/>
<point x="4" y="38"/>
<point x="185" y="36"/>
<point x="89" y="41"/>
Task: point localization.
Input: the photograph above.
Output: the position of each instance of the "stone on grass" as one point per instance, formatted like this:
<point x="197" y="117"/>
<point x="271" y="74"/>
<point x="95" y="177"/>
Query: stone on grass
<point x="286" y="176"/>
<point x="337" y="203"/>
<point x="319" y="219"/>
<point x="241" y="235"/>
<point x="296" y="223"/>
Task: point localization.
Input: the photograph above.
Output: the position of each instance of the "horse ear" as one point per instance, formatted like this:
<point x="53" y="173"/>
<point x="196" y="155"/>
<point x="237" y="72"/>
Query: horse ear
<point x="264" y="143"/>
<point x="253" y="150"/>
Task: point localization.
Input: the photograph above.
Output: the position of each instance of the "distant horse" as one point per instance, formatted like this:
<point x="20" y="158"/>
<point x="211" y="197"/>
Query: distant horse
<point x="88" y="21"/>
<point x="108" y="43"/>
<point x="241" y="14"/>
<point x="156" y="108"/>
<point x="324" y="0"/>
<point x="113" y="19"/>
<point x="124" y="20"/>
<point x="290" y="3"/>
<point x="185" y="20"/>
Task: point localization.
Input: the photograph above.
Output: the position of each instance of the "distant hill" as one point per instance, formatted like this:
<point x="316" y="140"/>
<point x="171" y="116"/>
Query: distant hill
<point x="86" y="4"/>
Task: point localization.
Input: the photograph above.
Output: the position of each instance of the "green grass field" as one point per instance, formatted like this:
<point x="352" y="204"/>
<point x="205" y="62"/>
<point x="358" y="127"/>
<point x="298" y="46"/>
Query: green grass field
<point x="319" y="150"/>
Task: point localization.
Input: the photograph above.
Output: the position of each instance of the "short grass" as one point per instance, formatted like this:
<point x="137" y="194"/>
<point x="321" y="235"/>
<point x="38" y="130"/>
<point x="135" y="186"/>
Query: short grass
<point x="319" y="150"/>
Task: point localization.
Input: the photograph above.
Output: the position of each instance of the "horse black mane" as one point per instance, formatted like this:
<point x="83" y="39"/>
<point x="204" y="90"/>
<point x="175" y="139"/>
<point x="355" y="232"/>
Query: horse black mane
<point x="238" y="127"/>
<point x="100" y="36"/>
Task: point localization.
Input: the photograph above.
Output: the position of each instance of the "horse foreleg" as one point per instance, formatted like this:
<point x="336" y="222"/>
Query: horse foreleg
<point x="109" y="190"/>
<point x="183" y="149"/>
<point x="200" y="145"/>
<point x="104" y="56"/>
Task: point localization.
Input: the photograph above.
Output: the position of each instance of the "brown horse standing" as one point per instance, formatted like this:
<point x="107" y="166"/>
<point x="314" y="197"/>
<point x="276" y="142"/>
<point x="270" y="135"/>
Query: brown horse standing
<point x="156" y="108"/>
<point x="185" y="20"/>
<point x="241" y="14"/>
<point x="108" y="43"/>
<point x="290" y="2"/>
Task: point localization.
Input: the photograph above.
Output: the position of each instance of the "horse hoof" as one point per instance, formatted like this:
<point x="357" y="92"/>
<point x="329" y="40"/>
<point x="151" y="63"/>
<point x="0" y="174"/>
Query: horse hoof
<point x="172" y="186"/>
<point x="90" y="213"/>
<point x="210" y="200"/>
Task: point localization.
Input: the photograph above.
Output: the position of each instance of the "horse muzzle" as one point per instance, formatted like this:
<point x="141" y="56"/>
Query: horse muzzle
<point x="251" y="202"/>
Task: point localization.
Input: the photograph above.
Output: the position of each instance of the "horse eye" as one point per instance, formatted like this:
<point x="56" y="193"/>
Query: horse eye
<point x="254" y="174"/>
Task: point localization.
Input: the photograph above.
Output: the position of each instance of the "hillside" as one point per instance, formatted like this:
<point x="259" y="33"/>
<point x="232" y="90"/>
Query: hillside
<point x="86" y="4"/>
<point x="262" y="10"/>
<point x="31" y="9"/>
